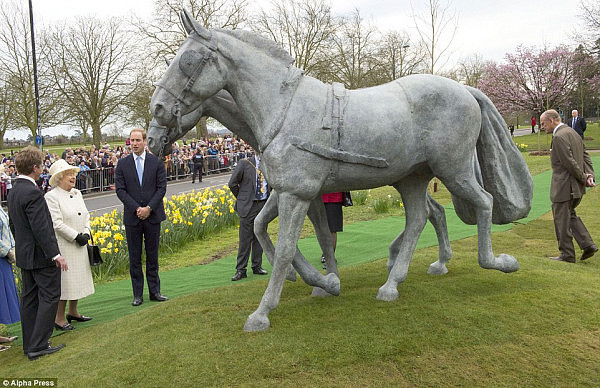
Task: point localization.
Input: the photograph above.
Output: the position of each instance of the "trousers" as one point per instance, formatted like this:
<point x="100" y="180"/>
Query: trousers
<point x="568" y="225"/>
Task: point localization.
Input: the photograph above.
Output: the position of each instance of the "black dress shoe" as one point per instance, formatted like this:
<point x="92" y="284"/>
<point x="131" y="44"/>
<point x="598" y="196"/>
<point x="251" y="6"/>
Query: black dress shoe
<point x="259" y="271"/>
<point x="238" y="275"/>
<point x="137" y="300"/>
<point x="65" y="327"/>
<point x="589" y="252"/>
<point x="158" y="297"/>
<point x="49" y="350"/>
<point x="81" y="318"/>
<point x="563" y="258"/>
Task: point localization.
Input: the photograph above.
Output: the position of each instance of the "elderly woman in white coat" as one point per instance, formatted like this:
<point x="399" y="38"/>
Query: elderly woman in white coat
<point x="71" y="221"/>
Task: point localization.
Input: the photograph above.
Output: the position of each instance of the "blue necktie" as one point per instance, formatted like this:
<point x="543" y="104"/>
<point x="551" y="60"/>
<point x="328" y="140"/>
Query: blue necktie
<point x="140" y="170"/>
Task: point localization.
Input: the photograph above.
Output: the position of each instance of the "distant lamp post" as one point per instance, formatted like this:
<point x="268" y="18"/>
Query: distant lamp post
<point x="39" y="138"/>
<point x="404" y="48"/>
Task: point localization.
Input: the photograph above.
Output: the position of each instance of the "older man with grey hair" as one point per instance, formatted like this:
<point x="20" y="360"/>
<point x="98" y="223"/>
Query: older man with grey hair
<point x="572" y="172"/>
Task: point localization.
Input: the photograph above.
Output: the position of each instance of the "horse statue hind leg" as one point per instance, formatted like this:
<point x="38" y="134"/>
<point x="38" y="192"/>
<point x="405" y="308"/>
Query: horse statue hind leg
<point x="436" y="214"/>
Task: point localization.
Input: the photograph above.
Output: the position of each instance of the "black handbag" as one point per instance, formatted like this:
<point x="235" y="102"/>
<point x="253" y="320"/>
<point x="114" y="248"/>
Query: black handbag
<point x="94" y="253"/>
<point x="346" y="199"/>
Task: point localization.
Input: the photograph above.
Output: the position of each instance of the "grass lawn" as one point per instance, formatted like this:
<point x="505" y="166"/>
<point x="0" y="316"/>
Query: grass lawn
<point x="537" y="327"/>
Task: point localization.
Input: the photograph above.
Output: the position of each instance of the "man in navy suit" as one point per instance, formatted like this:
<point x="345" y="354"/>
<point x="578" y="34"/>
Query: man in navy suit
<point x="141" y="183"/>
<point x="577" y="123"/>
<point x="37" y="255"/>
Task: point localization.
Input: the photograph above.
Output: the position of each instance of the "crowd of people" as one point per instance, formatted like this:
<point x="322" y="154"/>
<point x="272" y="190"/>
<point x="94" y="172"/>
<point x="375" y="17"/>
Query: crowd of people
<point x="97" y="165"/>
<point x="51" y="224"/>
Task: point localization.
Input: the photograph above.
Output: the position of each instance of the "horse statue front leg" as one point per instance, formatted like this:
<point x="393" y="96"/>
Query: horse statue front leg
<point x="329" y="284"/>
<point x="268" y="213"/>
<point x="292" y="212"/>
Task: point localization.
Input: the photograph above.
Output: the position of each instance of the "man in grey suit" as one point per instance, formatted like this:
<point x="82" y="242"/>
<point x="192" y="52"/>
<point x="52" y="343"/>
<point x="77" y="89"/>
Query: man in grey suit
<point x="37" y="255"/>
<point x="577" y="123"/>
<point x="572" y="172"/>
<point x="251" y="192"/>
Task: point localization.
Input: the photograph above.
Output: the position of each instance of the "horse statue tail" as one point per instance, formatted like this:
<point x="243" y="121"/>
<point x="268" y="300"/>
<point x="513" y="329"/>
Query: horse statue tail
<point x="499" y="167"/>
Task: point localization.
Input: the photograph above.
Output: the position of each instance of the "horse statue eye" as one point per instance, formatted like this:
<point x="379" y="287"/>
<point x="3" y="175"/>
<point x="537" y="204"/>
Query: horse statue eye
<point x="189" y="61"/>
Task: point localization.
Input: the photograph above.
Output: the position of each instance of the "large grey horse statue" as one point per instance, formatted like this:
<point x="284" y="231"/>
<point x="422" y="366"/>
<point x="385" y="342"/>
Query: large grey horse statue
<point x="315" y="138"/>
<point x="222" y="107"/>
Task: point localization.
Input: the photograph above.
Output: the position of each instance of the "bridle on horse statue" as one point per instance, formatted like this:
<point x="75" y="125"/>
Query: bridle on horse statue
<point x="191" y="64"/>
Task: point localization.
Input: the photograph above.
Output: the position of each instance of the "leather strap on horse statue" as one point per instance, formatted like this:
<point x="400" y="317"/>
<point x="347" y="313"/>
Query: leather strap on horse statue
<point x="333" y="120"/>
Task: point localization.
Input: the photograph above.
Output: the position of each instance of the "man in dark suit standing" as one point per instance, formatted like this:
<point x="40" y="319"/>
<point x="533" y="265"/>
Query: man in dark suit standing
<point x="37" y="255"/>
<point x="572" y="172"/>
<point x="141" y="183"/>
<point x="251" y="191"/>
<point x="577" y="123"/>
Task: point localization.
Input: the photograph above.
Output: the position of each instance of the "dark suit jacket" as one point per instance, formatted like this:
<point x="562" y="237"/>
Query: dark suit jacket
<point x="151" y="193"/>
<point x="243" y="185"/>
<point x="570" y="164"/>
<point x="579" y="126"/>
<point x="31" y="225"/>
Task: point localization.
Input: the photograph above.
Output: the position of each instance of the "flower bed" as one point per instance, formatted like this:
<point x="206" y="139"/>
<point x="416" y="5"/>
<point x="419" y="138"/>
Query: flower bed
<point x="190" y="216"/>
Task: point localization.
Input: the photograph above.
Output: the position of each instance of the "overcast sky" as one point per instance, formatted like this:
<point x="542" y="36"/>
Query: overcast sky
<point x="488" y="27"/>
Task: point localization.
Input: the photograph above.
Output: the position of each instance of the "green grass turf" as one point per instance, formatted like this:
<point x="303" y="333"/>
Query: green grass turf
<point x="473" y="327"/>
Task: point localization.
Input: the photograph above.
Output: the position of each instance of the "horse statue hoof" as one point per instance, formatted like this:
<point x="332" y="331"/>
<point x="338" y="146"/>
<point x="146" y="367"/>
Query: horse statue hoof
<point x="437" y="268"/>
<point x="507" y="263"/>
<point x="256" y="322"/>
<point x="387" y="294"/>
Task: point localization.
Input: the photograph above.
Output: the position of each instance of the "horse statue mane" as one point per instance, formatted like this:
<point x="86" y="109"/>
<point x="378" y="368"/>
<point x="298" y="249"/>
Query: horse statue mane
<point x="266" y="45"/>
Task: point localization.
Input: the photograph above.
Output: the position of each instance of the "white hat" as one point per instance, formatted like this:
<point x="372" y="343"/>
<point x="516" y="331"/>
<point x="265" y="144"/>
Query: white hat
<point x="58" y="167"/>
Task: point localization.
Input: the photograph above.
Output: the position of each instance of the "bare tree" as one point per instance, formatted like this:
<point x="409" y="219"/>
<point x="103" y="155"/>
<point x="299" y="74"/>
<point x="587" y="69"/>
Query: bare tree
<point x="398" y="58"/>
<point x="16" y="66"/>
<point x="436" y="28"/>
<point x="93" y="70"/>
<point x="5" y="108"/>
<point x="354" y="61"/>
<point x="471" y="70"/>
<point x="165" y="33"/>
<point x="137" y="105"/>
<point x="303" y="27"/>
<point x="590" y="11"/>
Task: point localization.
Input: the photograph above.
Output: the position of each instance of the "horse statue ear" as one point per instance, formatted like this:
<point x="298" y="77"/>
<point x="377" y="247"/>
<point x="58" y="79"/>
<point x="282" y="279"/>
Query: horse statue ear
<point x="191" y="25"/>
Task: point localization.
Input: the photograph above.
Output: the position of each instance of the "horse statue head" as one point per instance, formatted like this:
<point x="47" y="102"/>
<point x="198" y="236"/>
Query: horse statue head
<point x="220" y="107"/>
<point x="182" y="90"/>
<point x="211" y="60"/>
